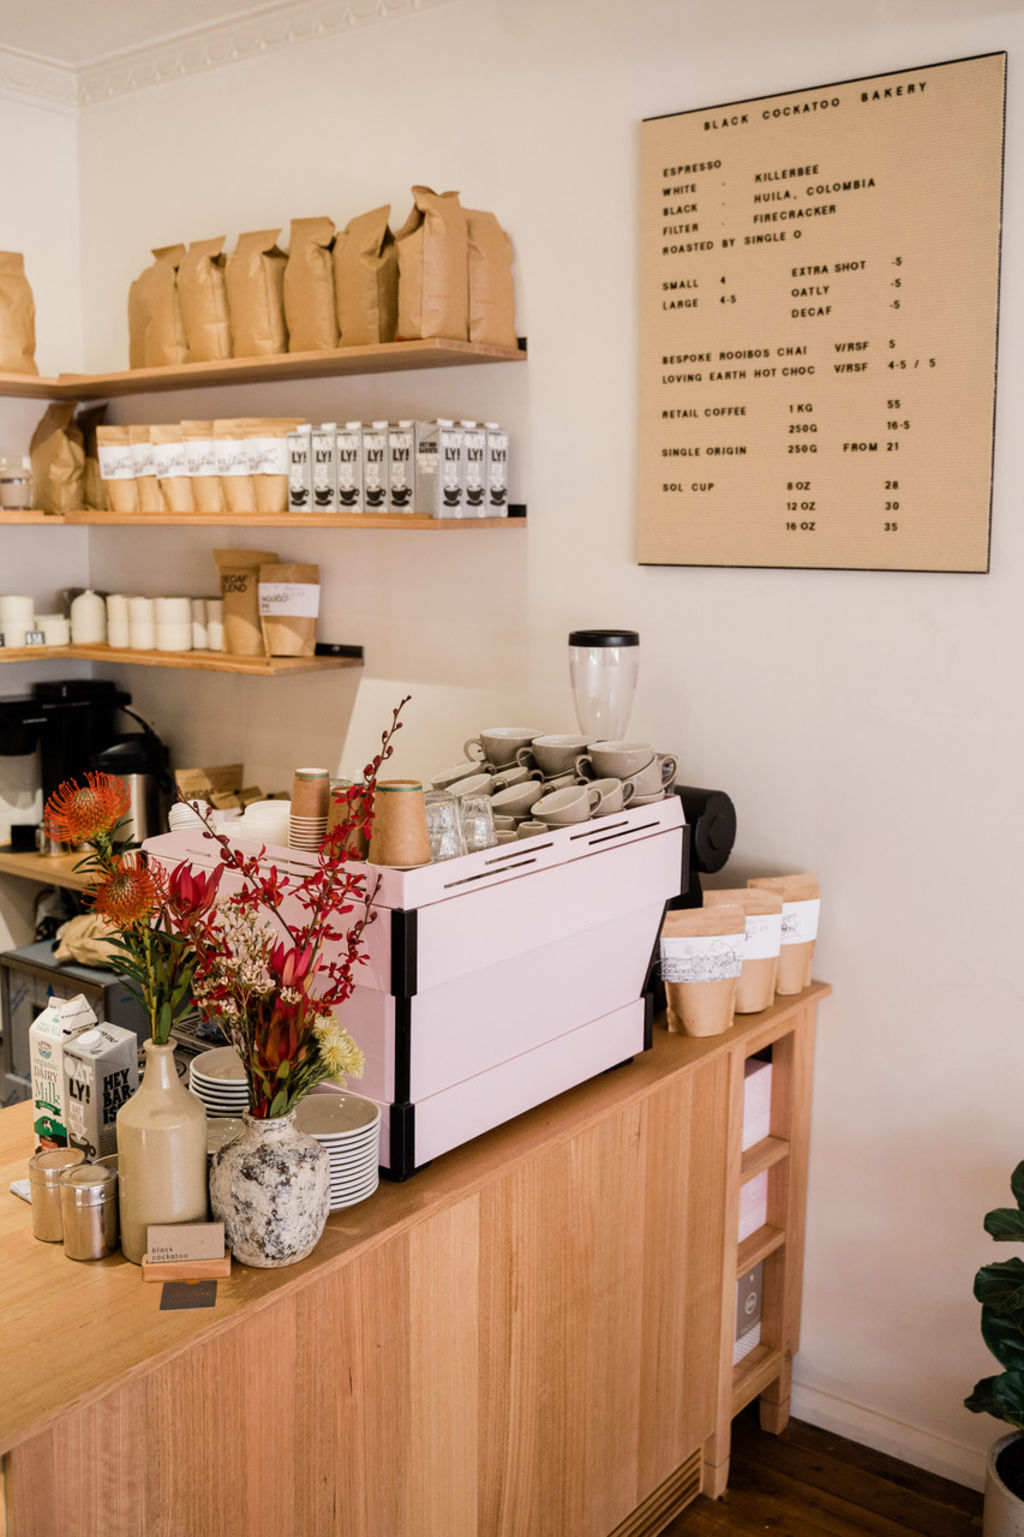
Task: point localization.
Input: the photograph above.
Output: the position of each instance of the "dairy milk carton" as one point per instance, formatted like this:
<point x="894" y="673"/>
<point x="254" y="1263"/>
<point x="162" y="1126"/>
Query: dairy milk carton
<point x="474" y="473"/>
<point x="439" y="469"/>
<point x="497" y="471"/>
<point x="323" y="457"/>
<point x="375" y="467"/>
<point x="401" y="440"/>
<point x="300" y="471"/>
<point x="59" y="1023"/>
<point x="101" y="1071"/>
<point x="350" y="467"/>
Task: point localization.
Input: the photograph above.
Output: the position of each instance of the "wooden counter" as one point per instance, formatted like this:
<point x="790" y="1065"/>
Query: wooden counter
<point x="530" y="1337"/>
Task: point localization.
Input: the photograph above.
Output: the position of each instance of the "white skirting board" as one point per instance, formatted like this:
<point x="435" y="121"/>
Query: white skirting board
<point x="923" y="1448"/>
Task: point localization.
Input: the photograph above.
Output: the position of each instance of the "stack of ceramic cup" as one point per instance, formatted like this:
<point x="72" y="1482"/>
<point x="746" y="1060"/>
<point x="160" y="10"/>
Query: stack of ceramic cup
<point x="307" y="822"/>
<point x="17" y="618"/>
<point x="118" y="629"/>
<point x="218" y="1078"/>
<point x="55" y="629"/>
<point x="265" y="822"/>
<point x="349" y="1128"/>
<point x="141" y="624"/>
<point x="649" y="773"/>
<point x="173" y="624"/>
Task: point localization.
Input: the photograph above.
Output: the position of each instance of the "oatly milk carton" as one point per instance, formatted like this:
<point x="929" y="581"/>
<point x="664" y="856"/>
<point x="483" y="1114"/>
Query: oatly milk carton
<point x="101" y="1071"/>
<point x="300" y="470"/>
<point x="427" y="470"/>
<point x="401" y="441"/>
<point x="350" y="467"/>
<point x="474" y="473"/>
<point x="48" y="1035"/>
<point x="324" y="461"/>
<point x="375" y="467"/>
<point x="439" y="475"/>
<point x="497" y="471"/>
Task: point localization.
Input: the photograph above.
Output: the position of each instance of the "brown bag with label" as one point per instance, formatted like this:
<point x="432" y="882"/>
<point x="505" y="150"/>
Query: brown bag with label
<point x="155" y="333"/>
<point x="433" y="276"/>
<point x="492" y="295"/>
<point x="171" y="469"/>
<point x="147" y="487"/>
<point x="701" y="981"/>
<point x="366" y="280"/>
<point x="58" y="460"/>
<point x="201" y="463"/>
<point x="202" y="293"/>
<point x="87" y="422"/>
<point x="254" y="279"/>
<point x="309" y="287"/>
<point x="239" y="583"/>
<point x="801" y="903"/>
<point x="289" y="599"/>
<point x="17" y="317"/>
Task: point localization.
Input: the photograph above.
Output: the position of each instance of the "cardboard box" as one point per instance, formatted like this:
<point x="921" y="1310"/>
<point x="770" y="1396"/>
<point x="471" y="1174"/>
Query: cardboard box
<point x="757" y="1102"/>
<point x="753" y="1205"/>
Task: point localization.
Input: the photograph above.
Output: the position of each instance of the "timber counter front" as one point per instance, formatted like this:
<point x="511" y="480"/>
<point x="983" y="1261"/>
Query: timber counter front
<point x="531" y="1338"/>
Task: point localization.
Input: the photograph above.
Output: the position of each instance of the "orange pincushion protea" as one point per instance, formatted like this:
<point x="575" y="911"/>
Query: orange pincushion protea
<point x="128" y="896"/>
<point x="78" y="813"/>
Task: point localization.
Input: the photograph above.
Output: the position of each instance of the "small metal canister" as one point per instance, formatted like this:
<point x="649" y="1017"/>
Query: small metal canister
<point x="44" y="1172"/>
<point x="88" y="1207"/>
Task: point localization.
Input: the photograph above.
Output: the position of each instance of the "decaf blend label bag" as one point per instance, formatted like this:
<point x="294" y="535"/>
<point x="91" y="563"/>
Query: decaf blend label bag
<point x="17" y="317"/>
<point x="239" y="582"/>
<point x="433" y="278"/>
<point x="289" y="601"/>
<point x="156" y="333"/>
<point x="492" y="299"/>
<point x="309" y="310"/>
<point x="202" y="293"/>
<point x="366" y="280"/>
<point x="254" y="279"/>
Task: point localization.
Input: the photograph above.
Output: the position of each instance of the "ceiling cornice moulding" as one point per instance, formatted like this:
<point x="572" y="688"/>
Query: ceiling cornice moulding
<point x="37" y="81"/>
<point x="213" y="47"/>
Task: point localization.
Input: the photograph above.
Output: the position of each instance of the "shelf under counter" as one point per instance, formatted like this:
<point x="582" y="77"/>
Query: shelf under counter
<point x="393" y="522"/>
<point x="188" y="661"/>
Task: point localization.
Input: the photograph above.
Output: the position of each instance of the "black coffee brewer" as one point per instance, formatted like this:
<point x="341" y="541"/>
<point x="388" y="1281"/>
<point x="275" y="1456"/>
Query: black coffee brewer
<point x="73" y="724"/>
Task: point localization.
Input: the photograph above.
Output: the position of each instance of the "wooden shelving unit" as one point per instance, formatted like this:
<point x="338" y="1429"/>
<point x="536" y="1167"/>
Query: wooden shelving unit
<point x="394" y="522"/>
<point x="194" y="661"/>
<point x="49" y="869"/>
<point x="388" y="357"/>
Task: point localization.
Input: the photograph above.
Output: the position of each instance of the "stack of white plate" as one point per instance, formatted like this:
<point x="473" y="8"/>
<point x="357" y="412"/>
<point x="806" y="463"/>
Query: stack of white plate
<point x="187" y="814"/>
<point x="264" y="822"/>
<point x="218" y="1078"/>
<point x="349" y="1128"/>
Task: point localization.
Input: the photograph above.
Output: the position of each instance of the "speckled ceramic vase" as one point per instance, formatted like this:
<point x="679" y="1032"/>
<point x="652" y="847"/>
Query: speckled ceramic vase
<point x="270" y="1186"/>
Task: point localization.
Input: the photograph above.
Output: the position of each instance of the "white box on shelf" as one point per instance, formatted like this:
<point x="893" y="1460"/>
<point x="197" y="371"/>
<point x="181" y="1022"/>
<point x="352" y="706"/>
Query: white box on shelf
<point x="757" y="1102"/>
<point x="753" y="1205"/>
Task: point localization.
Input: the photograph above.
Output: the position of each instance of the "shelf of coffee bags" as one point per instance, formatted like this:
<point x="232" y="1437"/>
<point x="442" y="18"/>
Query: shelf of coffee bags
<point x="390" y="520"/>
<point x="195" y="661"/>
<point x="385" y="357"/>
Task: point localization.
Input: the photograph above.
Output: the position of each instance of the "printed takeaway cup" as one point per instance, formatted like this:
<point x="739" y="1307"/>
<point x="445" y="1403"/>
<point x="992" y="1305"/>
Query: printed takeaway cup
<point x="755" y="990"/>
<point x="399" y="836"/>
<point x="701" y="960"/>
<point x="311" y="792"/>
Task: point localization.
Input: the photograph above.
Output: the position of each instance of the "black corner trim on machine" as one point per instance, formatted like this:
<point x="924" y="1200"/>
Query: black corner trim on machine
<point x="648" y="1019"/>
<point x="402" y="1132"/>
<point x="404" y="945"/>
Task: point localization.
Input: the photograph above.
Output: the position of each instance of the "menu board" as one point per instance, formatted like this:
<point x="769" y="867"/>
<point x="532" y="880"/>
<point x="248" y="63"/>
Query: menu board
<point x="819" y="280"/>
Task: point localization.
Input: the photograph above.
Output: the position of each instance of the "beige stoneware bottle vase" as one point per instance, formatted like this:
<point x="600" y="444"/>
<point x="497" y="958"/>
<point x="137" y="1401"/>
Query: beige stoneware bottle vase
<point x="161" y="1146"/>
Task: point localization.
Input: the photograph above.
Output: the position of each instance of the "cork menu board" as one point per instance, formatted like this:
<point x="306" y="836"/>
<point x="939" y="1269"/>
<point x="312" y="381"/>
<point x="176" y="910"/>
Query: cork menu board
<point x="818" y="307"/>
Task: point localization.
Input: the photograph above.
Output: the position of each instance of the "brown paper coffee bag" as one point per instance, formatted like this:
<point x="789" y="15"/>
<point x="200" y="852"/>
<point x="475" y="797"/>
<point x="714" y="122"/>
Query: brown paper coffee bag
<point x="117" y="467"/>
<point x="156" y="334"/>
<point x="17" y="317"/>
<point x="492" y="297"/>
<point x="87" y="422"/>
<point x="366" y="280"/>
<point x="232" y="455"/>
<point x="58" y="460"/>
<point x="239" y="584"/>
<point x="147" y="487"/>
<point x="701" y="959"/>
<point x="755" y="990"/>
<point x="289" y="599"/>
<point x="801" y="904"/>
<point x="309" y="287"/>
<point x="171" y="468"/>
<point x="254" y="278"/>
<point x="433" y="275"/>
<point x="202" y="293"/>
<point x="218" y="784"/>
<point x="266" y="443"/>
<point x="201" y="464"/>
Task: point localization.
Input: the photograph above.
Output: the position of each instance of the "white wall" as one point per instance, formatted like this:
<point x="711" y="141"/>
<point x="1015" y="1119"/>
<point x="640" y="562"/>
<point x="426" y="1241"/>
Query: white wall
<point x="866" y="725"/>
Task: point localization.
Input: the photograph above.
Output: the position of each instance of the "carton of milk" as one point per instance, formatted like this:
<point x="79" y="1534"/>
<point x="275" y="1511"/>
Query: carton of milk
<point x="375" y="467"/>
<point x="401" y="438"/>
<point x="101" y="1071"/>
<point x="300" y="470"/>
<point x="59" y="1023"/>
<point x="324" y="462"/>
<point x="350" y="467"/>
<point x="497" y="471"/>
<point x="474" y="475"/>
<point x="439" y="470"/>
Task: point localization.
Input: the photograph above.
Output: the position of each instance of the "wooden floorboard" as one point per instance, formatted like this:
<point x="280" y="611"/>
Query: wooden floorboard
<point x="809" y="1483"/>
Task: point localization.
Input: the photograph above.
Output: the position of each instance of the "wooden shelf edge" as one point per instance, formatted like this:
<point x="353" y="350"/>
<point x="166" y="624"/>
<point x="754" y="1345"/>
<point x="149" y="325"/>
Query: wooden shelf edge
<point x="195" y="661"/>
<point x="758" y="1247"/>
<point x="753" y="1374"/>
<point x="29" y="387"/>
<point x="763" y="1155"/>
<point x="48" y="869"/>
<point x="393" y="522"/>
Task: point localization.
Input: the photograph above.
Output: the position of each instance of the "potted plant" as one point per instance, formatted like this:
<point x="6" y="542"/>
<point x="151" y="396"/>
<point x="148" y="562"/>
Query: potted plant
<point x="999" y="1288"/>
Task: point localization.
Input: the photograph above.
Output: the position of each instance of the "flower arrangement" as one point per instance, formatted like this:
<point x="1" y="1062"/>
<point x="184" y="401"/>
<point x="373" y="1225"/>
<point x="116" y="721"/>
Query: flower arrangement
<point x="269" y="956"/>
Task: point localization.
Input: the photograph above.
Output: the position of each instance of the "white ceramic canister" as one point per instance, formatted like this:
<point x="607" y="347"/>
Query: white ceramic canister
<point x="88" y="619"/>
<point x="55" y="628"/>
<point x="141" y="624"/>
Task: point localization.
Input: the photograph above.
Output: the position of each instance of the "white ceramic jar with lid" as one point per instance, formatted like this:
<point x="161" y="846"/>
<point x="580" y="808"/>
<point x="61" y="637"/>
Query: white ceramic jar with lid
<point x="88" y="619"/>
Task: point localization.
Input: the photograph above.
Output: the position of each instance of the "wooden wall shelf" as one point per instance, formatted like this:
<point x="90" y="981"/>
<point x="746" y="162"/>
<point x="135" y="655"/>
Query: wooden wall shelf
<point x="388" y="357"/>
<point x="394" y="522"/>
<point x="49" y="869"/>
<point x="194" y="661"/>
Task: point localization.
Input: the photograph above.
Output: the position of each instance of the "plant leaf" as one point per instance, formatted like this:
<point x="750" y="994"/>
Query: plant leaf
<point x="982" y="1400"/>
<point x="1017" y="1184"/>
<point x="1001" y="1287"/>
<point x="1005" y="1338"/>
<point x="279" y="1104"/>
<point x="1008" y="1394"/>
<point x="1005" y="1223"/>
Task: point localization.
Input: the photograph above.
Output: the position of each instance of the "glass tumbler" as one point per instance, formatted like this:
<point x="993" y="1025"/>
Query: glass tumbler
<point x="444" y="827"/>
<point x="603" y="668"/>
<point x="478" y="823"/>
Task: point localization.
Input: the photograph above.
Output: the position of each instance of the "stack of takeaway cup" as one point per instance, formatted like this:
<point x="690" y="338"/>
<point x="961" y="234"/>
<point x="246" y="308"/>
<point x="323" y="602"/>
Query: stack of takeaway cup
<point x="307" y="823"/>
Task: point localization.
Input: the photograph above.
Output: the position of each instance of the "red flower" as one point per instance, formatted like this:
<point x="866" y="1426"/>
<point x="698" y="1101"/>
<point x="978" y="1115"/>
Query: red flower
<point x="130" y="895"/>
<point x="291" y="965"/>
<point x="78" y="813"/>
<point x="189" y="896"/>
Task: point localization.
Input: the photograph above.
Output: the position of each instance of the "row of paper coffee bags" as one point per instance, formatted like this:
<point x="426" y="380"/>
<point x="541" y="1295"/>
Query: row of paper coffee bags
<point x="447" y="273"/>
<point x="236" y="464"/>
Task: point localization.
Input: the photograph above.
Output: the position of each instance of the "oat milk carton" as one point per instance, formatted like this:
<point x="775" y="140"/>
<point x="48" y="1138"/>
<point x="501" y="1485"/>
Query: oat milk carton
<point x="48" y="1035"/>
<point x="324" y="461"/>
<point x="474" y="470"/>
<point x="401" y="441"/>
<point x="300" y="471"/>
<point x="375" y="467"/>
<point x="439" y="469"/>
<point x="497" y="471"/>
<point x="101" y="1071"/>
<point x="350" y="467"/>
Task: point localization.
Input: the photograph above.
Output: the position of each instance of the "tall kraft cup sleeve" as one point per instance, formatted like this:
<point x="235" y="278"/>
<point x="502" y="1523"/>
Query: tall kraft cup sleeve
<point x="801" y="905"/>
<point x="399" y="837"/>
<point x="755" y="990"/>
<point x="701" y="960"/>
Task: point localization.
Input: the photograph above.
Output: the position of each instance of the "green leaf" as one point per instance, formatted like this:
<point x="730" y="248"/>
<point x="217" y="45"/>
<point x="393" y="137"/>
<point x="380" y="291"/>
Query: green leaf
<point x="1001" y="1287"/>
<point x="982" y="1400"/>
<point x="1006" y="1223"/>
<point x="1017" y="1184"/>
<point x="279" y="1104"/>
<point x="1008" y="1394"/>
<point x="1005" y="1338"/>
<point x="284" y="1070"/>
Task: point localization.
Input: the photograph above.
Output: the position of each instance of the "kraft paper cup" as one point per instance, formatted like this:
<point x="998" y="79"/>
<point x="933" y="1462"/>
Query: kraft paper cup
<point x="311" y="793"/>
<point x="399" y="837"/>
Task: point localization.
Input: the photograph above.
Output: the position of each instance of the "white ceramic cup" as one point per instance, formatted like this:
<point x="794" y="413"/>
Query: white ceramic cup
<point x="614" y="759"/>
<point x="561" y="808"/>
<point x="615" y="795"/>
<point x="652" y="778"/>
<point x="517" y="800"/>
<point x="476" y="784"/>
<point x="552" y="754"/>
